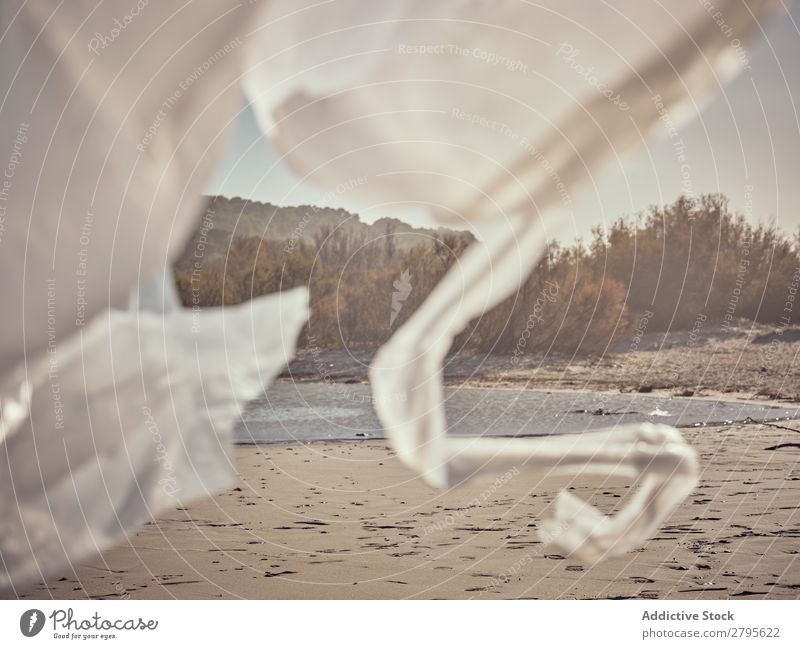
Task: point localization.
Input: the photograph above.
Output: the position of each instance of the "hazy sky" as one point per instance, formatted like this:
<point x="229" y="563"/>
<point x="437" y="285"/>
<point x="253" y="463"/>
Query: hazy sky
<point x="750" y="136"/>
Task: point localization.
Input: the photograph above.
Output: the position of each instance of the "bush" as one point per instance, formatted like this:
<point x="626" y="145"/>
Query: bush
<point x="677" y="261"/>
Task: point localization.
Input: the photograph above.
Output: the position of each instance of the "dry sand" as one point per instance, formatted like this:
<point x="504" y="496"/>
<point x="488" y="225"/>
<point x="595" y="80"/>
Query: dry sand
<point x="347" y="520"/>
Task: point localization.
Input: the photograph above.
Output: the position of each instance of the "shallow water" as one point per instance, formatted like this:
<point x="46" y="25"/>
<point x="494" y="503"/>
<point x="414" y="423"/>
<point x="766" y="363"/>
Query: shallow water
<point x="314" y="411"/>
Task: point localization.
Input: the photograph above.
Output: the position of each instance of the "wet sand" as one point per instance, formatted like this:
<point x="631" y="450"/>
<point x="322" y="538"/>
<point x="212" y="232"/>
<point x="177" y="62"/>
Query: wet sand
<point x="347" y="520"/>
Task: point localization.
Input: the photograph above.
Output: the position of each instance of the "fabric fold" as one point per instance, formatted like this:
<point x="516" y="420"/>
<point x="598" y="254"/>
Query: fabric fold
<point x="130" y="417"/>
<point x="116" y="115"/>
<point x="484" y="114"/>
<point x="493" y="115"/>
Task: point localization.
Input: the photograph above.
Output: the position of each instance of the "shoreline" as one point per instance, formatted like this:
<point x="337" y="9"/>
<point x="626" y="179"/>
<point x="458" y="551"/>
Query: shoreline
<point x="530" y="384"/>
<point x="376" y="438"/>
<point x="738" y="365"/>
<point x="709" y="410"/>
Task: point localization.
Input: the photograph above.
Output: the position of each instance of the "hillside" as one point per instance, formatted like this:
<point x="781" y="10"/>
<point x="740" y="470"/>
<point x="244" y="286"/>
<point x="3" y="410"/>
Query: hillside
<point x="305" y="223"/>
<point x="692" y="266"/>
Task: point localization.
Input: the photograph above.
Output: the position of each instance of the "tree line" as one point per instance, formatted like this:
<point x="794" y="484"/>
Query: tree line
<point x="694" y="260"/>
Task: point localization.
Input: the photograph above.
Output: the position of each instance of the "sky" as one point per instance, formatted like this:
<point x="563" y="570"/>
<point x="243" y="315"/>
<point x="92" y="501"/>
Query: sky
<point x="745" y="144"/>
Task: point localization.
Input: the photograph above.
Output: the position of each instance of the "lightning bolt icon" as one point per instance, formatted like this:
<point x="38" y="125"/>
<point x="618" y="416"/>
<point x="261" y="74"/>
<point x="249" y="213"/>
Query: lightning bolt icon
<point x="32" y="621"/>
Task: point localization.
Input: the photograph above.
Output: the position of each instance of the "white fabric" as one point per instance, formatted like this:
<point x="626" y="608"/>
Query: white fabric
<point x="340" y="88"/>
<point x="489" y="115"/>
<point x="107" y="417"/>
<point x="115" y="114"/>
<point x="148" y="406"/>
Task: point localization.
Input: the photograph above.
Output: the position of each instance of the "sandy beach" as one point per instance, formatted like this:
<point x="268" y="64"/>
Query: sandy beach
<point x="347" y="520"/>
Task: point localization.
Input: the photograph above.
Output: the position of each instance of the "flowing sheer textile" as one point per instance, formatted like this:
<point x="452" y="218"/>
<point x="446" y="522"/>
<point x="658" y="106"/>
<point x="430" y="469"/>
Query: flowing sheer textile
<point x="482" y="113"/>
<point x="492" y="116"/>
<point x="110" y="415"/>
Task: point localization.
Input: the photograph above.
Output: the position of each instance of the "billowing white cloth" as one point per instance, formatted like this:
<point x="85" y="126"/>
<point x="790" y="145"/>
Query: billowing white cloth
<point x="493" y="115"/>
<point x="114" y="116"/>
<point x="130" y="417"/>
